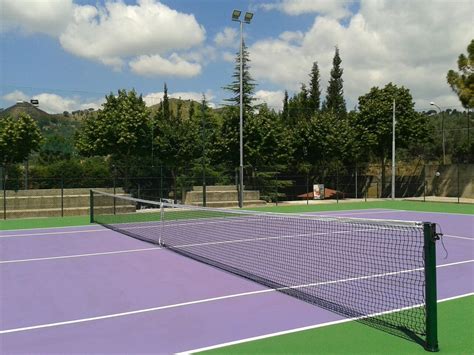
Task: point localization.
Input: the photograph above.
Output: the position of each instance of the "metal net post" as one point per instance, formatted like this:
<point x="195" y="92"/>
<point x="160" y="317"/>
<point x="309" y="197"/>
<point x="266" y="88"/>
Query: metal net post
<point x="430" y="238"/>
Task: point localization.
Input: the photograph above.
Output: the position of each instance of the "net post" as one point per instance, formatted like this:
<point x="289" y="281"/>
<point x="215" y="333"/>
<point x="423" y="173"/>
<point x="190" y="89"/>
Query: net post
<point x="91" y="204"/>
<point x="430" y="238"/>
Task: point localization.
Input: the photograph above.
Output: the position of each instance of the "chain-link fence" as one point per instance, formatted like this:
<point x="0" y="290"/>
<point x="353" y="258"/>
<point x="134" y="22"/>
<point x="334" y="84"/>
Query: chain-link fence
<point x="65" y="196"/>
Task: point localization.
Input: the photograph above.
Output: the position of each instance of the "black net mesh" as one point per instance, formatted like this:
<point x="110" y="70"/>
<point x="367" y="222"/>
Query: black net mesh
<point x="372" y="270"/>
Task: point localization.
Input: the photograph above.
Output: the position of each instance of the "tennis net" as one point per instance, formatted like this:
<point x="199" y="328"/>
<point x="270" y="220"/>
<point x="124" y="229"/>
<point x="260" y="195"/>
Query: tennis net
<point x="380" y="272"/>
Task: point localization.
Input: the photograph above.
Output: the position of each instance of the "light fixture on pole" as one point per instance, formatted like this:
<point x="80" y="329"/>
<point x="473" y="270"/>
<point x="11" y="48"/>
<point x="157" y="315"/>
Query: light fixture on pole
<point x="247" y="18"/>
<point x="442" y="131"/>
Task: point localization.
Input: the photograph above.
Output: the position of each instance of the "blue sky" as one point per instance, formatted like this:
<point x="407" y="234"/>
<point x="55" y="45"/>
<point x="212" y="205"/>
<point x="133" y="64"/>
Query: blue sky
<point x="69" y="54"/>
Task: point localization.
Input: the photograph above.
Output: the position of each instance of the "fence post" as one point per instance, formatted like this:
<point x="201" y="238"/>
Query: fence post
<point x="4" y="185"/>
<point x="91" y="204"/>
<point x="115" y="190"/>
<point x="62" y="196"/>
<point x="204" y="187"/>
<point x="161" y="182"/>
<point x="424" y="182"/>
<point x="307" y="189"/>
<point x="356" y="181"/>
<point x="276" y="189"/>
<point x="337" y="185"/>
<point x="459" y="187"/>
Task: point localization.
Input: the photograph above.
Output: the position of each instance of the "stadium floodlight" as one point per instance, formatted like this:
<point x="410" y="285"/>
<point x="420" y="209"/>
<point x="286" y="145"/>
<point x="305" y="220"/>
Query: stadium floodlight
<point x="442" y="130"/>
<point x="248" y="17"/>
<point x="236" y="15"/>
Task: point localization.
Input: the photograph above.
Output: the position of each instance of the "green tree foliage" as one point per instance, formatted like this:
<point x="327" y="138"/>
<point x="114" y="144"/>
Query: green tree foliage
<point x="462" y="82"/>
<point x="335" y="93"/>
<point x="373" y="124"/>
<point x="55" y="147"/>
<point x="19" y="137"/>
<point x="299" y="106"/>
<point x="175" y="140"/>
<point x="322" y="140"/>
<point x="120" y="130"/>
<point x="267" y="143"/>
<point x="314" y="89"/>
<point x="248" y="84"/>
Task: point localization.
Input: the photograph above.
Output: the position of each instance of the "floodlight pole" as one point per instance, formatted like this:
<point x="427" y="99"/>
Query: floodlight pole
<point x="442" y="130"/>
<point x="247" y="18"/>
<point x="394" y="122"/>
<point x="241" y="121"/>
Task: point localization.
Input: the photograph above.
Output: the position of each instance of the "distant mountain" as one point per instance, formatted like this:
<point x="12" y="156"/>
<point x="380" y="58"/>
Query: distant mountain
<point x="50" y="125"/>
<point x="25" y="107"/>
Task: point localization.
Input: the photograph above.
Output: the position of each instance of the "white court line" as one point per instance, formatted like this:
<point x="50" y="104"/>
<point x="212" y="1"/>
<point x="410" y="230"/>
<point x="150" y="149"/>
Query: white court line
<point x="206" y="300"/>
<point x="183" y="246"/>
<point x="78" y="255"/>
<point x="41" y="228"/>
<point x="457" y="237"/>
<point x="433" y="212"/>
<point x="348" y="212"/>
<point x="295" y="330"/>
<point x="56" y="233"/>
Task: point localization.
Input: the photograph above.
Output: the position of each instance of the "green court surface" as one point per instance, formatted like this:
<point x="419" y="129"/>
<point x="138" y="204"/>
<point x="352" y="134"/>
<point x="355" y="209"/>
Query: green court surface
<point x="442" y="207"/>
<point x="455" y="329"/>
<point x="47" y="222"/>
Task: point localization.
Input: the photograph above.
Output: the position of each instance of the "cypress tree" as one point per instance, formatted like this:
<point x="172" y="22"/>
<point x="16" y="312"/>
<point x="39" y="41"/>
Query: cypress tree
<point x="166" y="104"/>
<point x="335" y="93"/>
<point x="285" y="107"/>
<point x="314" y="89"/>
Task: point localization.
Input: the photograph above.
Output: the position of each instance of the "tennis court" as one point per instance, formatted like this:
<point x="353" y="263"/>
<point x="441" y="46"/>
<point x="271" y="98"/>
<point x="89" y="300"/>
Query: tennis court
<point x="90" y="289"/>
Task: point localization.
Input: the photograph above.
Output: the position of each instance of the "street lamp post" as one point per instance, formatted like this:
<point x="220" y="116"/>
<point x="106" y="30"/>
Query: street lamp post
<point x="247" y="18"/>
<point x="442" y="131"/>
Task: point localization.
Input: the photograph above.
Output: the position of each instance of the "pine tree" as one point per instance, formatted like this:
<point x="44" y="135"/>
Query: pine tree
<point x="335" y="93"/>
<point x="314" y="89"/>
<point x="248" y="83"/>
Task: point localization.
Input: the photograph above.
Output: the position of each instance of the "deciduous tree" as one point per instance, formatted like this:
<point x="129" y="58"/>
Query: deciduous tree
<point x="462" y="81"/>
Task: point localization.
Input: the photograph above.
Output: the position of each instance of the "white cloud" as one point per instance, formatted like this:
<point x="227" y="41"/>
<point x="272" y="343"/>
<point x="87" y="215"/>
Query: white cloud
<point x="44" y="16"/>
<point x="274" y="99"/>
<point x="147" y="65"/>
<point x="228" y="57"/>
<point x="117" y="31"/>
<point x="332" y="8"/>
<point x="412" y="44"/>
<point x="15" y="96"/>
<point x="154" y="98"/>
<point x="53" y="103"/>
<point x="227" y="38"/>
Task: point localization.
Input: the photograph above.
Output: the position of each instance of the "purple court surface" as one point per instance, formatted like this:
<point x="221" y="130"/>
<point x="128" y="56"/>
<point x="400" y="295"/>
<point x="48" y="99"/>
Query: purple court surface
<point x="92" y="290"/>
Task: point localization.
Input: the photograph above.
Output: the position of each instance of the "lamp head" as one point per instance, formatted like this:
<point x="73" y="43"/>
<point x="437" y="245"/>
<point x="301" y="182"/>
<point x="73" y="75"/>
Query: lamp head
<point x="432" y="103"/>
<point x="248" y="17"/>
<point x="236" y="15"/>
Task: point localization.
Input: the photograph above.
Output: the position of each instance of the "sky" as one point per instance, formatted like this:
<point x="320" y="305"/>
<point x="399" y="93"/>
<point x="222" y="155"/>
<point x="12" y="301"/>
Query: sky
<point x="69" y="54"/>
